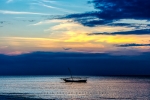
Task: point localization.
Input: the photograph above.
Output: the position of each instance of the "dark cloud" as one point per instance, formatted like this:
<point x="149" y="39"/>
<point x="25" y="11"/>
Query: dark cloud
<point x="31" y="20"/>
<point x="2" y="22"/>
<point x="109" y="11"/>
<point x="132" y="45"/>
<point x="134" y="32"/>
<point x="56" y="63"/>
<point x="28" y="20"/>
<point x="112" y="10"/>
<point x="122" y="9"/>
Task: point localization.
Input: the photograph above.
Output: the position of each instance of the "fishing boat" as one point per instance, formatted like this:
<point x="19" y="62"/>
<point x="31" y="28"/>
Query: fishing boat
<point x="74" y="79"/>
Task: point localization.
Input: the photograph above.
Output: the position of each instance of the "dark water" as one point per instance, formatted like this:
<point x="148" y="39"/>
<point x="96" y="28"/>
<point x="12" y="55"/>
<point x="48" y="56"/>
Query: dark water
<point x="96" y="88"/>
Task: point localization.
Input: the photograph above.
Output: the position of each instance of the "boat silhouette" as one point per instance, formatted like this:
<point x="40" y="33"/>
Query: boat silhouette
<point x="74" y="79"/>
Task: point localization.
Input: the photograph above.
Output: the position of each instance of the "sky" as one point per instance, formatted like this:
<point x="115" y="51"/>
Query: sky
<point x="92" y="37"/>
<point x="90" y="26"/>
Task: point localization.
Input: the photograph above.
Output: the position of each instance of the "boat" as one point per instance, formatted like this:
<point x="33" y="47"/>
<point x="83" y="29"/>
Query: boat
<point x="74" y="79"/>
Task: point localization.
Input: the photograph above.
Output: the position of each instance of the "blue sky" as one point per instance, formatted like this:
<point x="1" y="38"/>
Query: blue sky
<point x="18" y="15"/>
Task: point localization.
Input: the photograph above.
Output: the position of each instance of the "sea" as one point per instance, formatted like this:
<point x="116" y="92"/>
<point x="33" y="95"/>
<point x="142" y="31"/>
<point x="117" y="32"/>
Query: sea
<point x="96" y="88"/>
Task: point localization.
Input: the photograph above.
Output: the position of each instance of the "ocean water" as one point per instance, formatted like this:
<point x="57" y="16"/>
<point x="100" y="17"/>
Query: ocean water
<point x="96" y="88"/>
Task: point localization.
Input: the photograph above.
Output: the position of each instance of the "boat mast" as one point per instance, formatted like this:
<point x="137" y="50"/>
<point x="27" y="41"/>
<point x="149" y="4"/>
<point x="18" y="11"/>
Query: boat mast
<point x="70" y="73"/>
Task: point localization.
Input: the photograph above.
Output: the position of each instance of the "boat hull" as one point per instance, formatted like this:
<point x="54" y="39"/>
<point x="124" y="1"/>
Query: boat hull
<point x="79" y="81"/>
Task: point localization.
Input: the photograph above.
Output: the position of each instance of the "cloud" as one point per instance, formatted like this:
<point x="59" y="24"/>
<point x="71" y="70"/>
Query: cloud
<point x="52" y="7"/>
<point x="3" y="47"/>
<point x="51" y="21"/>
<point x="28" y="20"/>
<point x="67" y="48"/>
<point x="2" y="22"/>
<point x="8" y="1"/>
<point x="69" y="25"/>
<point x="112" y="10"/>
<point x="109" y="12"/>
<point x="132" y="45"/>
<point x="133" y="32"/>
<point x="21" y="13"/>
<point x="48" y="63"/>
<point x="61" y="9"/>
<point x="49" y="1"/>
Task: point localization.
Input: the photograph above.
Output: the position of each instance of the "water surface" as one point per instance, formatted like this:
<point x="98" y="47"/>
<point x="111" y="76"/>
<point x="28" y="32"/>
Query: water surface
<point x="96" y="88"/>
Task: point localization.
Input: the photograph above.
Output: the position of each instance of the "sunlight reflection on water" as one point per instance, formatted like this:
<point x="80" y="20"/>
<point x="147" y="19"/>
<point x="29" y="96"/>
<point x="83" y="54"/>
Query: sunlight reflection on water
<point x="52" y="87"/>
